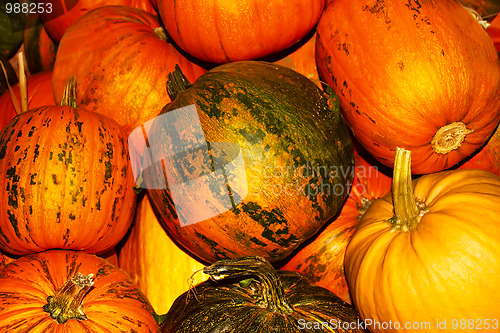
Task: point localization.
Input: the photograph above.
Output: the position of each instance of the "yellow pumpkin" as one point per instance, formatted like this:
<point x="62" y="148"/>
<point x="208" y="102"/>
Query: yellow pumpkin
<point x="155" y="263"/>
<point x="429" y="254"/>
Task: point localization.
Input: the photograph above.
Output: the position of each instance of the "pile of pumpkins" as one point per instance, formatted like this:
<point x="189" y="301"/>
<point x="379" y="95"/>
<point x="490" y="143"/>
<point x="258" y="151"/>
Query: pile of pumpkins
<point x="336" y="167"/>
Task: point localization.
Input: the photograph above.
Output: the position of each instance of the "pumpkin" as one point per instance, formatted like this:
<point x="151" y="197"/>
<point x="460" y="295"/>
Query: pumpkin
<point x="155" y="262"/>
<point x="322" y="259"/>
<point x="65" y="14"/>
<point x="398" y="68"/>
<point x="68" y="181"/>
<point x="261" y="161"/>
<point x="223" y="31"/>
<point x="302" y="59"/>
<point x="429" y="253"/>
<point x="39" y="49"/>
<point x="12" y="20"/>
<point x="39" y="92"/>
<point x="248" y="295"/>
<point x="70" y="291"/>
<point x="125" y="77"/>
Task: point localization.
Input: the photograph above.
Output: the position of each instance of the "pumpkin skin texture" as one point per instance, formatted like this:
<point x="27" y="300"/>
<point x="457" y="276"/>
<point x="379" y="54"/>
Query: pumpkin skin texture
<point x="322" y="260"/>
<point x="125" y="78"/>
<point x="59" y="20"/>
<point x="113" y="304"/>
<point x="274" y="301"/>
<point x="154" y="262"/>
<point x="285" y="130"/>
<point x="69" y="181"/>
<point x="434" y="252"/>
<point x="225" y="31"/>
<point x="397" y="69"/>
<point x="39" y="94"/>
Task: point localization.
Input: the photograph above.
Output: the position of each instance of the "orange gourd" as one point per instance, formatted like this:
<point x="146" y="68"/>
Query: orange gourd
<point x="420" y="75"/>
<point x="121" y="73"/>
<point x="70" y="291"/>
<point x="429" y="253"/>
<point x="67" y="179"/>
<point x="60" y="18"/>
<point x="223" y="31"/>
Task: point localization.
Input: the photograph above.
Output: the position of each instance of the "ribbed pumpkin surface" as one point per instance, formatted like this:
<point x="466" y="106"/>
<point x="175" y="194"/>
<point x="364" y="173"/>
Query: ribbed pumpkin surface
<point x="68" y="181"/>
<point x="113" y="304"/>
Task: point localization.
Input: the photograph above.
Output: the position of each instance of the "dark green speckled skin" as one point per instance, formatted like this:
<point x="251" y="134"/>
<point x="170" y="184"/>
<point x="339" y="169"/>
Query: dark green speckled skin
<point x="281" y="121"/>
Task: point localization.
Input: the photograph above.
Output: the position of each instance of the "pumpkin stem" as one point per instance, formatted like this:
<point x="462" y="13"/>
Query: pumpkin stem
<point x="449" y="137"/>
<point x="67" y="303"/>
<point x="406" y="210"/>
<point x="160" y="32"/>
<point x="272" y="293"/>
<point x="69" y="93"/>
<point x="177" y="82"/>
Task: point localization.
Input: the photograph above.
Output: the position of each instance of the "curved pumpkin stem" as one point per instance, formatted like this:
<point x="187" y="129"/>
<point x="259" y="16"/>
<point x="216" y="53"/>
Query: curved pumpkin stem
<point x="67" y="303"/>
<point x="272" y="293"/>
<point x="406" y="210"/>
<point x="69" y="93"/>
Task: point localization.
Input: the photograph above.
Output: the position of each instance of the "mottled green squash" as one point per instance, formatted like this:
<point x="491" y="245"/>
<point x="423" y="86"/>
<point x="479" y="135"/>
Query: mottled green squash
<point x="248" y="295"/>
<point x="296" y="150"/>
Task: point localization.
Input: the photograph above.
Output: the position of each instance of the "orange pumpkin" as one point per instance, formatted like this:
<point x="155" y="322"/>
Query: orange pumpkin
<point x="322" y="260"/>
<point x="429" y="253"/>
<point x="156" y="264"/>
<point x="39" y="93"/>
<point x="422" y="75"/>
<point x="224" y="30"/>
<point x="125" y="76"/>
<point x="65" y="13"/>
<point x="68" y="181"/>
<point x="70" y="291"/>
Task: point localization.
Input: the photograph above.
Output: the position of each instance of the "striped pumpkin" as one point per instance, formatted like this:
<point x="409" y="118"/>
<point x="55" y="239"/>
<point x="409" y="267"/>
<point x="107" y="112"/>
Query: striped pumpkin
<point x="34" y="288"/>
<point x="68" y="181"/>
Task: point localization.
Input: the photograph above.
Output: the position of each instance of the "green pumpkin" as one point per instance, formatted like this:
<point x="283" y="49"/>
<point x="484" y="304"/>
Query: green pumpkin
<point x="248" y="295"/>
<point x="12" y="22"/>
<point x="295" y="168"/>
